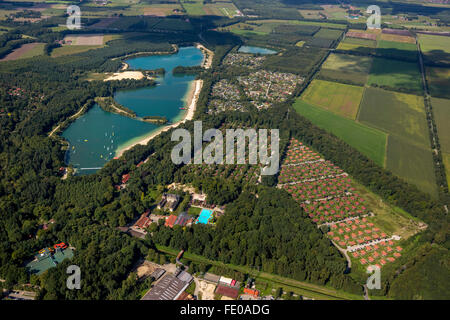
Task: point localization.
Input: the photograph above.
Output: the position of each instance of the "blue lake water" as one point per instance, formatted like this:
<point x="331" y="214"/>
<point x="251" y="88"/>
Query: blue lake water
<point x="95" y="137"/>
<point x="260" y="50"/>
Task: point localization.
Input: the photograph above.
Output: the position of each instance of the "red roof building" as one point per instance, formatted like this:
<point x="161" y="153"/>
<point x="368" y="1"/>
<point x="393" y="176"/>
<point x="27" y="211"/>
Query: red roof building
<point x="125" y="178"/>
<point x="252" y="292"/>
<point x="171" y="220"/>
<point x="227" y="291"/>
<point x="144" y="221"/>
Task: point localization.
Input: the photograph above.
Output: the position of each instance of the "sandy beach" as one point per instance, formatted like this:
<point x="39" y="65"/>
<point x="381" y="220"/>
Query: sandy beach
<point x="208" y="56"/>
<point x="191" y="105"/>
<point x="137" y="75"/>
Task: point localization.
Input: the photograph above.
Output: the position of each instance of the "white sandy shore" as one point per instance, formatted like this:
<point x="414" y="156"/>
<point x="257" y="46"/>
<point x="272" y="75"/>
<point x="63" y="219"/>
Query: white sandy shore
<point x="208" y="56"/>
<point x="191" y="105"/>
<point x="137" y="75"/>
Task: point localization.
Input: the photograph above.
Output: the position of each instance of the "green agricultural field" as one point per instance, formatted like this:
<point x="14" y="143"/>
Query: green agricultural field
<point x="35" y="51"/>
<point x="359" y="45"/>
<point x="412" y="162"/>
<point x="446" y="159"/>
<point x="369" y="141"/>
<point x="193" y="7"/>
<point x="396" y="113"/>
<point x="68" y="50"/>
<point x="441" y="111"/>
<point x="328" y="34"/>
<point x="399" y="50"/>
<point x="439" y="82"/>
<point x="338" y="98"/>
<point x="346" y="68"/>
<point x="435" y="48"/>
<point x="396" y="74"/>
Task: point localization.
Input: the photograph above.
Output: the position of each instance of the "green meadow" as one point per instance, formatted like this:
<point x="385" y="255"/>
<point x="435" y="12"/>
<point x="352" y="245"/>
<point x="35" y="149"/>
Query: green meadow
<point x="396" y="74"/>
<point x="441" y="111"/>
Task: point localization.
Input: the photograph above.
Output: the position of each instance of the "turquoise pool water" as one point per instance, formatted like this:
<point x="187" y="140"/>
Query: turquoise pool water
<point x="204" y="217"/>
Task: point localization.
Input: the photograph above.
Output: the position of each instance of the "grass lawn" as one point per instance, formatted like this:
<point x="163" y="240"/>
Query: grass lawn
<point x="438" y="81"/>
<point x="396" y="74"/>
<point x="194" y="211"/>
<point x="341" y="99"/>
<point x="441" y="111"/>
<point x="396" y="113"/>
<point x="412" y="162"/>
<point x="369" y="141"/>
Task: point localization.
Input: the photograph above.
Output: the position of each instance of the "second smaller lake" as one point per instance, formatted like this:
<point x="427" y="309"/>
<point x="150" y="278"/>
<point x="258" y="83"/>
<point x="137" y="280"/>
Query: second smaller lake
<point x="260" y="50"/>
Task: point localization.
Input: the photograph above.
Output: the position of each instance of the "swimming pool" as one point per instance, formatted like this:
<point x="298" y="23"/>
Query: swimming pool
<point x="204" y="217"/>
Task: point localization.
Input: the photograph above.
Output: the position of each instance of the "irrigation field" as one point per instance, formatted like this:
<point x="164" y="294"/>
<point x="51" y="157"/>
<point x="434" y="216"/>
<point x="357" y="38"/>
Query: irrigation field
<point x="341" y="99"/>
<point x="369" y="141"/>
<point x="395" y="74"/>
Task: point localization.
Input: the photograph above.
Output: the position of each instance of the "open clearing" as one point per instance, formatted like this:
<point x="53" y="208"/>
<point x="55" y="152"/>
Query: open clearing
<point x="328" y="34"/>
<point x="396" y="74"/>
<point x="346" y="67"/>
<point x="438" y="82"/>
<point x="397" y="113"/>
<point x="412" y="162"/>
<point x="369" y="141"/>
<point x="341" y="99"/>
<point x="85" y="40"/>
<point x="26" y="50"/>
<point x="441" y="111"/>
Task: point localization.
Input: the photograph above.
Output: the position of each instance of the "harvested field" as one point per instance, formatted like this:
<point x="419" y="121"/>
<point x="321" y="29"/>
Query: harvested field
<point x="439" y="82"/>
<point x="441" y="110"/>
<point x="396" y="32"/>
<point x="341" y="99"/>
<point x="369" y="141"/>
<point x="85" y="40"/>
<point x="361" y="35"/>
<point x="397" y="38"/>
<point x="26" y="50"/>
<point x="396" y="74"/>
<point x="396" y="113"/>
<point x="412" y="162"/>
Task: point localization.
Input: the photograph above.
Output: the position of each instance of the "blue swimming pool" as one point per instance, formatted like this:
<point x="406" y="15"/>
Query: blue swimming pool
<point x="204" y="217"/>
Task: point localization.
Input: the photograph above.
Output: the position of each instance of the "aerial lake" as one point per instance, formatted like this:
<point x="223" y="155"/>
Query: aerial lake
<point x="96" y="136"/>
<point x="260" y="50"/>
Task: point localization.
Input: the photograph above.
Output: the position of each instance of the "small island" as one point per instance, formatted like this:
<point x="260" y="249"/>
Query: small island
<point x="155" y="119"/>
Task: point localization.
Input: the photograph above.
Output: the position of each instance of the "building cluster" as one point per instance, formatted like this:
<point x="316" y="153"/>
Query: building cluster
<point x="170" y="286"/>
<point x="266" y="87"/>
<point x="225" y="96"/>
<point x="169" y="201"/>
<point x="244" y="60"/>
